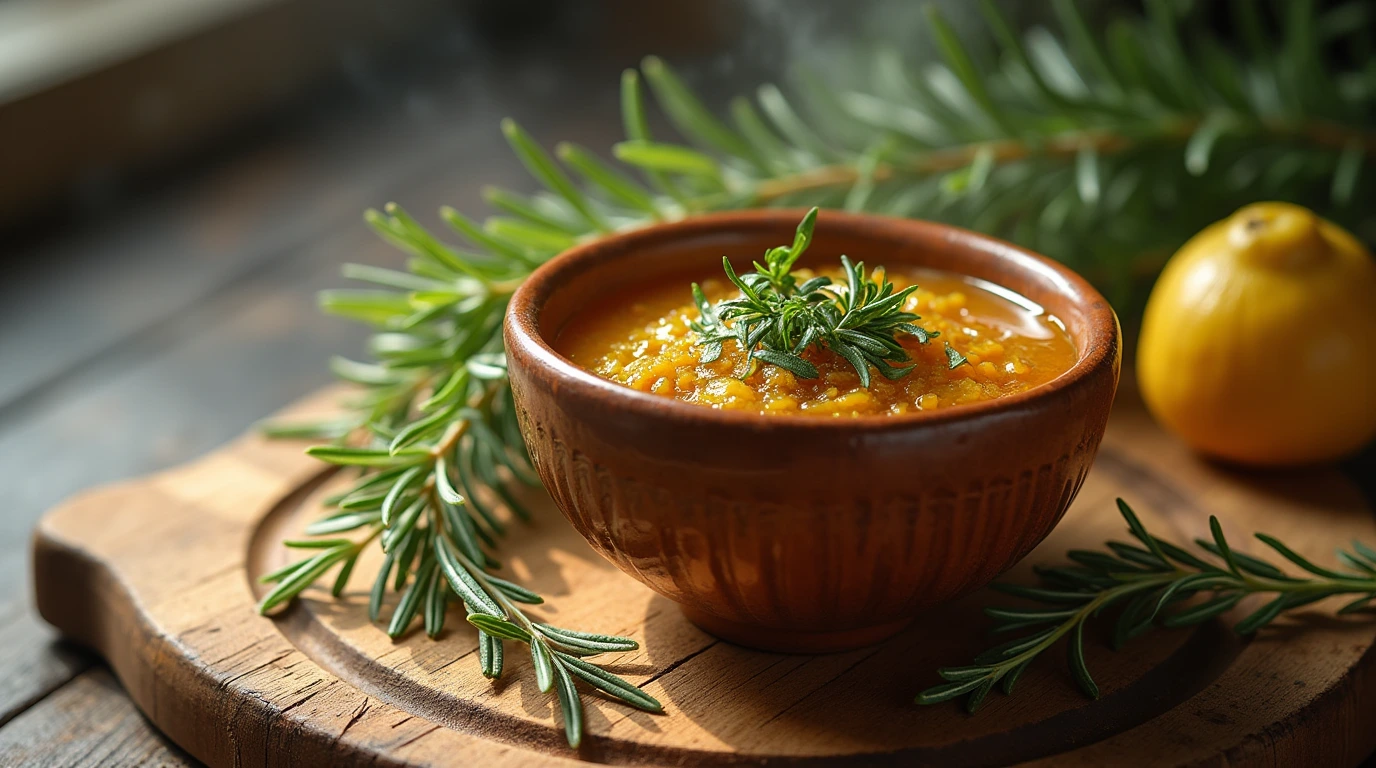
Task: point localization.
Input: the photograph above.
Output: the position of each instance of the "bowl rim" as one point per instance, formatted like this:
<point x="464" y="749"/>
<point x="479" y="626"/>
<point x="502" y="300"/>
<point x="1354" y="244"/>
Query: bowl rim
<point x="523" y="313"/>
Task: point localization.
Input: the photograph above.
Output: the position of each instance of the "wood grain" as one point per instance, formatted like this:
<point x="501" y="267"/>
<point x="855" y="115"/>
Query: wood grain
<point x="163" y="590"/>
<point x="113" y="360"/>
<point x="119" y="332"/>
<point x="33" y="662"/>
<point x="87" y="722"/>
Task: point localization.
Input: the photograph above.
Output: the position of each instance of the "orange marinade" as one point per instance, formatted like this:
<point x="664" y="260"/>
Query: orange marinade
<point x="642" y="340"/>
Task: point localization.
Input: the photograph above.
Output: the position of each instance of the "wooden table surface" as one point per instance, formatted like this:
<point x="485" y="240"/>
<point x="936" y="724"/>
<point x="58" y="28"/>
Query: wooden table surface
<point x="165" y="325"/>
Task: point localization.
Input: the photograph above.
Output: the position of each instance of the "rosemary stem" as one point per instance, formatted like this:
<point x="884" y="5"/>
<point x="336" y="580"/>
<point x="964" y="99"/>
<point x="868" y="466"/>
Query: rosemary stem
<point x="1087" y="610"/>
<point x="501" y="598"/>
<point x="508" y="287"/>
<point x="374" y="531"/>
<point x="1147" y="582"/>
<point x="459" y="427"/>
<point x="953" y="158"/>
<point x="1067" y="145"/>
<point x="478" y="572"/>
<point x="452" y="434"/>
<point x="1255" y="584"/>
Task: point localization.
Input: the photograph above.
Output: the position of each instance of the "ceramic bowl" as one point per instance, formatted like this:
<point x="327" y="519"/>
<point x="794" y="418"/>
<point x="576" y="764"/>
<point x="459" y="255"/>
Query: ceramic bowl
<point x="801" y="534"/>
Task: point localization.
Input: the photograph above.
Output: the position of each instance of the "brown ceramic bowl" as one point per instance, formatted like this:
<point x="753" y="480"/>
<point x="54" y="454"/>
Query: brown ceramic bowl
<point x="801" y="534"/>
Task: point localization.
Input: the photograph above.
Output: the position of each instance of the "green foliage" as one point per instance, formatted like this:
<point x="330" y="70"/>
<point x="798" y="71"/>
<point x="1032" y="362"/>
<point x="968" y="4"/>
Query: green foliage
<point x="1104" y="152"/>
<point x="776" y="319"/>
<point x="1151" y="582"/>
<point x="434" y="434"/>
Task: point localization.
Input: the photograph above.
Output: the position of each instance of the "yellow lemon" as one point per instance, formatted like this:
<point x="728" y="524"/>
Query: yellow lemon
<point x="1259" y="340"/>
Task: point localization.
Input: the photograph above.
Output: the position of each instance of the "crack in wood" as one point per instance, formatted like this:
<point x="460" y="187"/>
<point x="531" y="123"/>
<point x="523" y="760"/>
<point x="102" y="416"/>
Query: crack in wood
<point x="670" y="669"/>
<point x="357" y="716"/>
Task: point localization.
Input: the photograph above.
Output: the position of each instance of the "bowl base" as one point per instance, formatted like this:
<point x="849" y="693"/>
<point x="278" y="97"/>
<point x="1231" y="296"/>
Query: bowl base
<point x="790" y="640"/>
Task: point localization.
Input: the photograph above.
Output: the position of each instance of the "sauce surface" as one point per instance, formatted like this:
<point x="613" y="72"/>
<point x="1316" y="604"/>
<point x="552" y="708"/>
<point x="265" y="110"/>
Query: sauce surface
<point x="642" y="339"/>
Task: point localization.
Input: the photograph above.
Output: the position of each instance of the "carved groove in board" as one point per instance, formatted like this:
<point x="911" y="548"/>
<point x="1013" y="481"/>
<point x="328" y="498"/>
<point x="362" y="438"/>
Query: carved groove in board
<point x="308" y="628"/>
<point x="234" y="688"/>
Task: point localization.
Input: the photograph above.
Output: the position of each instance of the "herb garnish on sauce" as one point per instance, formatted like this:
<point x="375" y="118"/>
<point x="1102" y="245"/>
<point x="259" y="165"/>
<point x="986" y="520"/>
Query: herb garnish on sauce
<point x="776" y="318"/>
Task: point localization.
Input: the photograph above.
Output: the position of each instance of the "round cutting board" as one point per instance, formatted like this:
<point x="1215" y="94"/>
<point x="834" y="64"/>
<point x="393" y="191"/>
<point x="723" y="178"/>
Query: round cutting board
<point x="159" y="574"/>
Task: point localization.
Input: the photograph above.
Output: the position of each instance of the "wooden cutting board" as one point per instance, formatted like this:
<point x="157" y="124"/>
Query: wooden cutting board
<point x="158" y="576"/>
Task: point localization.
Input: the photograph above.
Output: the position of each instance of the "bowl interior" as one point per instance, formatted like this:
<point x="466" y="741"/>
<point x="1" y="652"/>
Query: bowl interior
<point x="692" y="249"/>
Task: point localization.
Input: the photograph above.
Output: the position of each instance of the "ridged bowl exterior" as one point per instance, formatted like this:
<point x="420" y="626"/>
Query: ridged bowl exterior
<point x="799" y="533"/>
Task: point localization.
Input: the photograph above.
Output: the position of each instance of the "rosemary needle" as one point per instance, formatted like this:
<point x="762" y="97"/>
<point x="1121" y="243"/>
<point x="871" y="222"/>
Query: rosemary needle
<point x="776" y="318"/>
<point x="1084" y="179"/>
<point x="1153" y="582"/>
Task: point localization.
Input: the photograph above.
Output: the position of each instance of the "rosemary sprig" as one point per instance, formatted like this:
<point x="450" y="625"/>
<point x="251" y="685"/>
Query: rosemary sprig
<point x="776" y="319"/>
<point x="1153" y="582"/>
<point x="1079" y="147"/>
<point x="416" y="456"/>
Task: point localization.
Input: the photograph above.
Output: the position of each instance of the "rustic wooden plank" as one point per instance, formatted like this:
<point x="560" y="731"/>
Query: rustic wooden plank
<point x="181" y="388"/>
<point x="184" y="395"/>
<point x="73" y="298"/>
<point x="175" y="385"/>
<point x="74" y="295"/>
<point x="88" y="722"/>
<point x="251" y="211"/>
<point x="127" y="331"/>
<point x="33" y="661"/>
<point x="107" y="323"/>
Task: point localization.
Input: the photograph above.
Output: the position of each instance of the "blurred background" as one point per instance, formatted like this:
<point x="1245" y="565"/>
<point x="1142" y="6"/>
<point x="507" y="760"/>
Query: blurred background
<point x="178" y="178"/>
